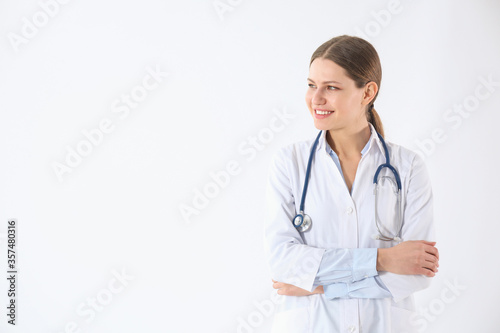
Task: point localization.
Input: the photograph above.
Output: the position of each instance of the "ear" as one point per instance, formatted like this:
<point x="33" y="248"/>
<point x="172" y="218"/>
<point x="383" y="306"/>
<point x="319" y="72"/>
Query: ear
<point x="369" y="93"/>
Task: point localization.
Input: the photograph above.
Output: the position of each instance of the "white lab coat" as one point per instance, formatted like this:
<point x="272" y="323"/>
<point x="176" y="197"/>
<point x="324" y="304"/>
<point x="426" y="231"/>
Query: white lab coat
<point x="341" y="220"/>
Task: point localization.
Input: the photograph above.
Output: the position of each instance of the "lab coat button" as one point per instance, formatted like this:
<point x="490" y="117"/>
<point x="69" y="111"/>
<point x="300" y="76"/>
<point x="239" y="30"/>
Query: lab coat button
<point x="349" y="210"/>
<point x="352" y="329"/>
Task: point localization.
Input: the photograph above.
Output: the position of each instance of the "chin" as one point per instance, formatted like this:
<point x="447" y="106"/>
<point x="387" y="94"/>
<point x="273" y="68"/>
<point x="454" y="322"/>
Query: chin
<point x="323" y="126"/>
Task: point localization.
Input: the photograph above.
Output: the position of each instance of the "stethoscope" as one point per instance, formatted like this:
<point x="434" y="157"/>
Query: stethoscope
<point x="303" y="221"/>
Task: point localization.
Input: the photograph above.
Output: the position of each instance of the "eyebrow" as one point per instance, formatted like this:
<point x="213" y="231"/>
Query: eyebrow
<point x="325" y="82"/>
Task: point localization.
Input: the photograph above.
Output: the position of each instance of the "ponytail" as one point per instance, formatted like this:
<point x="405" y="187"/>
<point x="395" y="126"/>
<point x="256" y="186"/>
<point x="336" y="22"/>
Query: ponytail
<point x="374" y="119"/>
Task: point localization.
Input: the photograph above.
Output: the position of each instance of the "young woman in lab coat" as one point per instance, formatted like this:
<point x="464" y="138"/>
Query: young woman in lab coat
<point x="339" y="276"/>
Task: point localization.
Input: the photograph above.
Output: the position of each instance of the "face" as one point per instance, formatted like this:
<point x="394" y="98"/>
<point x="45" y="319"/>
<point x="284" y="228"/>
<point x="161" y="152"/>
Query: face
<point x="333" y="99"/>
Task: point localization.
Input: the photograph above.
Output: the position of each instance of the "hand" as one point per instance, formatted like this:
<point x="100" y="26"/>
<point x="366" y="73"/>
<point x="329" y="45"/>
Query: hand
<point x="410" y="257"/>
<point x="291" y="290"/>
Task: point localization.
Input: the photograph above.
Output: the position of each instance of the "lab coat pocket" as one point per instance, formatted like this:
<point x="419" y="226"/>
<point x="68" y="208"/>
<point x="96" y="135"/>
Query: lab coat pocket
<point x="402" y="320"/>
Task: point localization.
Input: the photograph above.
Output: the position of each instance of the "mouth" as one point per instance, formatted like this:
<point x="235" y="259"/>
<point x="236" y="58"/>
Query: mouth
<point x="321" y="114"/>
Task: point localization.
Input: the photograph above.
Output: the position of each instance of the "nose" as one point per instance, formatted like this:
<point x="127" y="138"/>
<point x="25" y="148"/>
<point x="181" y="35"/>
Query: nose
<point x="318" y="98"/>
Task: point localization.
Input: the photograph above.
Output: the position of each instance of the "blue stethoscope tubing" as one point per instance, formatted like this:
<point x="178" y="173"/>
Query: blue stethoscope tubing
<point x="303" y="222"/>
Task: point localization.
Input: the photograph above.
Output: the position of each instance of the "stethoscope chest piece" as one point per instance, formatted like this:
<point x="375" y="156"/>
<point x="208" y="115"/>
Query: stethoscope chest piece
<point x="302" y="222"/>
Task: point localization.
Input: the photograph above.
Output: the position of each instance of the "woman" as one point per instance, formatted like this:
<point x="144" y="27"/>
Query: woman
<point x="349" y="272"/>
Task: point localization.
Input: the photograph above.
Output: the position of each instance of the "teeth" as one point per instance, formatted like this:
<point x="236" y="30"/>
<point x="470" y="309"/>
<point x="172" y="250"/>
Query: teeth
<point x="323" y="112"/>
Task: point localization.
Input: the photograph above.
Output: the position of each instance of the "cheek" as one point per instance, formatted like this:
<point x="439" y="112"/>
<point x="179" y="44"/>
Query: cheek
<point x="354" y="99"/>
<point x="308" y="100"/>
<point x="343" y="102"/>
<point x="308" y="96"/>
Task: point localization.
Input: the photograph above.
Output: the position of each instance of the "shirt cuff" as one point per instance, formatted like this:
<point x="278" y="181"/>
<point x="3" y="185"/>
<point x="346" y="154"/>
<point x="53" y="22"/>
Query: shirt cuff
<point x="364" y="263"/>
<point x="335" y="290"/>
<point x="366" y="288"/>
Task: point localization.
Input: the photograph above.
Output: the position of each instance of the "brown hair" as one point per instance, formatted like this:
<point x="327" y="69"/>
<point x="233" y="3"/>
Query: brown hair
<point x="361" y="63"/>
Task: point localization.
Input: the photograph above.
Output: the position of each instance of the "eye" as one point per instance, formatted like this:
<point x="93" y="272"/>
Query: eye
<point x="332" y="88"/>
<point x="310" y="85"/>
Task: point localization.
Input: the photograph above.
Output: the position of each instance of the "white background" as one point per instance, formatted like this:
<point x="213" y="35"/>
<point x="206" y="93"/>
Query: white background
<point x="228" y="74"/>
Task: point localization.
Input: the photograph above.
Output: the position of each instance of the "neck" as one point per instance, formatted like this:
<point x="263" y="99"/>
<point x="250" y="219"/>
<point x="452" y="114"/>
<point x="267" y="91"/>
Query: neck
<point x="349" y="143"/>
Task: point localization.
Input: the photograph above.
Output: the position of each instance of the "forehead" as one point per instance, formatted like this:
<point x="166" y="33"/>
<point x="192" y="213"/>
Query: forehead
<point x="322" y="69"/>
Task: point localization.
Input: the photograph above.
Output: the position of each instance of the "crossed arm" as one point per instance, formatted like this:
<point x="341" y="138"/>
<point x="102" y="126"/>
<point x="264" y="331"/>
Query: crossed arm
<point x="407" y="258"/>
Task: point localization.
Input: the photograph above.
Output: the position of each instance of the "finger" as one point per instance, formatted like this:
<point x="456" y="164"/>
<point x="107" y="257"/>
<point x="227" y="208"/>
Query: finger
<point x="432" y="258"/>
<point x="278" y="285"/>
<point x="431" y="263"/>
<point x="428" y="272"/>
<point x="435" y="261"/>
<point x="430" y="266"/>
<point x="432" y="250"/>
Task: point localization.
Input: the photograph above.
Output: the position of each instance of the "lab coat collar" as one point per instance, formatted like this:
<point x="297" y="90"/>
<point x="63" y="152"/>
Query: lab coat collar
<point x="323" y="144"/>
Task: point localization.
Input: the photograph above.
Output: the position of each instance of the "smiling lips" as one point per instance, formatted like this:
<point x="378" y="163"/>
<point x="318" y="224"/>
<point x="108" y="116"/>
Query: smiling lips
<point x="321" y="114"/>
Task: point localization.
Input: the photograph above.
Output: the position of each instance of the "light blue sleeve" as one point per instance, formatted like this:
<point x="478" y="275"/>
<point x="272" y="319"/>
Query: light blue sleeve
<point x="371" y="287"/>
<point x="346" y="265"/>
<point x="350" y="273"/>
